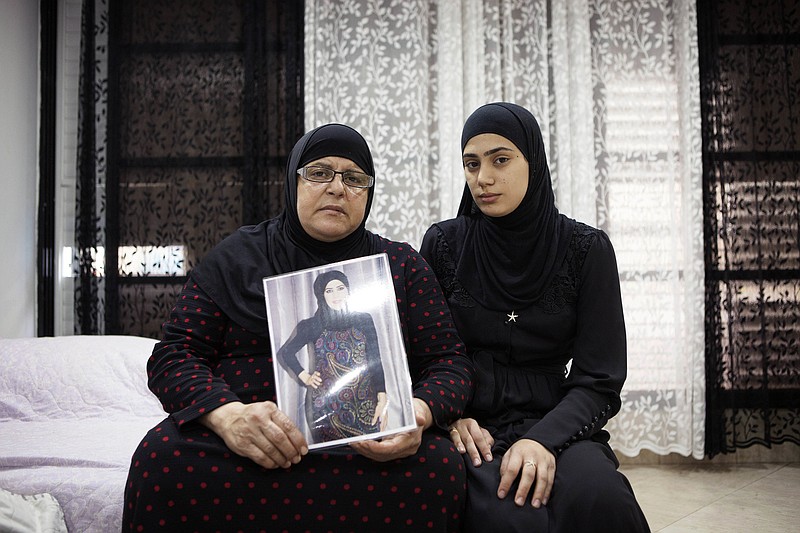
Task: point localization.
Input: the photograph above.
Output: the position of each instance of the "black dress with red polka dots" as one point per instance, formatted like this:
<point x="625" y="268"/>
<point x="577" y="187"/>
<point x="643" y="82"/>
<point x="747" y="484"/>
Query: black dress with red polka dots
<point x="184" y="478"/>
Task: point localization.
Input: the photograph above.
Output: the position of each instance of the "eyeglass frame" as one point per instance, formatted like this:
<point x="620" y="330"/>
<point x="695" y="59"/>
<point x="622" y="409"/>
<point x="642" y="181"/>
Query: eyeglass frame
<point x="302" y="172"/>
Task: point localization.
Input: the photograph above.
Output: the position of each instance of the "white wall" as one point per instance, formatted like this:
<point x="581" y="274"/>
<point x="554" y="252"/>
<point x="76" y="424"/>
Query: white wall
<point x="19" y="67"/>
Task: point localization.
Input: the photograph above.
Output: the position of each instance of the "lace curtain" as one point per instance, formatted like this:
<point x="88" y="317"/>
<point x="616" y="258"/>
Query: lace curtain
<point x="188" y="110"/>
<point x="615" y="87"/>
<point x="90" y="180"/>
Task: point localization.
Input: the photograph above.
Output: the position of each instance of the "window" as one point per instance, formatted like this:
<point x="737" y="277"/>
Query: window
<point x="204" y="103"/>
<point x="751" y="152"/>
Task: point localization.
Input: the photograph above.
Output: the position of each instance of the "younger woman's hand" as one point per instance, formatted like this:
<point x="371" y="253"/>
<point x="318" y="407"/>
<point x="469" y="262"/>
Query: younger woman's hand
<point x="535" y="467"/>
<point x="470" y="438"/>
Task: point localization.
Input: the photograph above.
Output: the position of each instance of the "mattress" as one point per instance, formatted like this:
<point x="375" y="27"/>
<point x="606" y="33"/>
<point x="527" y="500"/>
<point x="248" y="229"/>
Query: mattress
<point x="72" y="411"/>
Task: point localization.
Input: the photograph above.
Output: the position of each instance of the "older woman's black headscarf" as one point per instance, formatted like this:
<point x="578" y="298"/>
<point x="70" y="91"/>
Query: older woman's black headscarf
<point x="515" y="256"/>
<point x="329" y="140"/>
<point x="232" y="272"/>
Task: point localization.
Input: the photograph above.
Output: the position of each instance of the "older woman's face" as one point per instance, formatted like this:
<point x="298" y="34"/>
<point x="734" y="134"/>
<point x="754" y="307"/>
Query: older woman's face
<point x="331" y="211"/>
<point x="336" y="294"/>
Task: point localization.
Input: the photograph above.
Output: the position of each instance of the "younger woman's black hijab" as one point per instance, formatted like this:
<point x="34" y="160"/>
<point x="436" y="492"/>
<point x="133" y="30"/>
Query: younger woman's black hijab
<point x="509" y="261"/>
<point x="232" y="272"/>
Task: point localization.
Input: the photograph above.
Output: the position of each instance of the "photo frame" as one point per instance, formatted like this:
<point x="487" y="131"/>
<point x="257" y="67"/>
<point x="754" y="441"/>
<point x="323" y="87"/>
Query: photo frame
<point x="341" y="372"/>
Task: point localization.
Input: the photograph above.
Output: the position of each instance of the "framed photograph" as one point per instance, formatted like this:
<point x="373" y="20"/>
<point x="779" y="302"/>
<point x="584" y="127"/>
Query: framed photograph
<point x="341" y="372"/>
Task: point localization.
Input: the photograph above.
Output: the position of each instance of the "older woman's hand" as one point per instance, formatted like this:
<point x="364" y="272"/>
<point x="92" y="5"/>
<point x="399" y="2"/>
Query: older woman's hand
<point x="534" y="465"/>
<point x="258" y="431"/>
<point x="470" y="438"/>
<point x="400" y="445"/>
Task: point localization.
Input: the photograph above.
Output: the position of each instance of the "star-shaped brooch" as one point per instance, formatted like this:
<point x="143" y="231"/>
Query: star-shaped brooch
<point x="512" y="317"/>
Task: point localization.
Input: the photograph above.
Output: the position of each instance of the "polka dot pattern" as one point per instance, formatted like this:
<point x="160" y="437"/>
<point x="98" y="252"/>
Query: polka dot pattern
<point x="184" y="478"/>
<point x="206" y="488"/>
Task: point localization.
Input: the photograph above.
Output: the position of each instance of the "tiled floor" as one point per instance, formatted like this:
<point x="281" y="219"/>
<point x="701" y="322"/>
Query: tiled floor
<point x="711" y="496"/>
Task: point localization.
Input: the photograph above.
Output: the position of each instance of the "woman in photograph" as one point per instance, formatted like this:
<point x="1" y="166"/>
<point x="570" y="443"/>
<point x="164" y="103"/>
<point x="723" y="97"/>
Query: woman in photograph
<point x="226" y="458"/>
<point x="346" y="387"/>
<point x="536" y="298"/>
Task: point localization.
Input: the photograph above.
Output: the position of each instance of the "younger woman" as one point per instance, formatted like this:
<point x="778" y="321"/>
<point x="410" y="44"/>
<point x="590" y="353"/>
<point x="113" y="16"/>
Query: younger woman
<point x="531" y="290"/>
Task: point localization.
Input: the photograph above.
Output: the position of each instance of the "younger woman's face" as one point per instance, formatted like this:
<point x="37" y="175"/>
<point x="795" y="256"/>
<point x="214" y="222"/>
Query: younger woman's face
<point x="496" y="173"/>
<point x="336" y="294"/>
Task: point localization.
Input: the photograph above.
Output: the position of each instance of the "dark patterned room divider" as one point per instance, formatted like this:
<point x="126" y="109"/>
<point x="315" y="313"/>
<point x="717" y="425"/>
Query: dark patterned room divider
<point x="750" y="85"/>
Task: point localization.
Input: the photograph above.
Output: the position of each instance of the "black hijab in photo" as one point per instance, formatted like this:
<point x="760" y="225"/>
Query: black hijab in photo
<point x="327" y="316"/>
<point x="509" y="261"/>
<point x="232" y="272"/>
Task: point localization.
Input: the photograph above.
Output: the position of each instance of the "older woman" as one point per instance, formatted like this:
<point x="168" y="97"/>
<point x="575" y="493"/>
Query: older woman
<point x="226" y="459"/>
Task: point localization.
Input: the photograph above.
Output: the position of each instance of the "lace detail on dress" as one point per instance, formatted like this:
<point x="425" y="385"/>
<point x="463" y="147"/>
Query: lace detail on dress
<point x="445" y="267"/>
<point x="563" y="289"/>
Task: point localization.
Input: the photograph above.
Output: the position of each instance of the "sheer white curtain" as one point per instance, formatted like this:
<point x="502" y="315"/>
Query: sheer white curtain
<point x="614" y="84"/>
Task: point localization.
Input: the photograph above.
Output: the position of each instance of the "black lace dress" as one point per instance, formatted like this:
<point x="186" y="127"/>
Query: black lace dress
<point x="524" y="388"/>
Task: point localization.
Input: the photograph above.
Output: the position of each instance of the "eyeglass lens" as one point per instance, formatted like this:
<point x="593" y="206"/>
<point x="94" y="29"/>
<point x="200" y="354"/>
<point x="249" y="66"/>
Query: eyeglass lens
<point x="349" y="177"/>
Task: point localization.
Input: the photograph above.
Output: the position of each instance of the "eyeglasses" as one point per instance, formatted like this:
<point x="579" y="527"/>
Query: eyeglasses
<point x="351" y="178"/>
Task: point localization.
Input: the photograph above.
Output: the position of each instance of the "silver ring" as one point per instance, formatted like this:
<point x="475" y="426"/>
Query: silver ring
<point x="530" y="463"/>
<point x="453" y="429"/>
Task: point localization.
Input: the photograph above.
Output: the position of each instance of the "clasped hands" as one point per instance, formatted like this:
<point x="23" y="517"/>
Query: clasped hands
<point x="264" y="434"/>
<point x="526" y="459"/>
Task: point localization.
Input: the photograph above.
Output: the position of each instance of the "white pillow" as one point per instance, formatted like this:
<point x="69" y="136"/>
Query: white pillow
<point x="36" y="512"/>
<point x="75" y="377"/>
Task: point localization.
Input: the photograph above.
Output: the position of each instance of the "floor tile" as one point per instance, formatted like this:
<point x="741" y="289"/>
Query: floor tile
<point x="670" y="493"/>
<point x="767" y="505"/>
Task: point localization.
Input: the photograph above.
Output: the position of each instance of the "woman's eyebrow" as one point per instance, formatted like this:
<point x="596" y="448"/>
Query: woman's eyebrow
<point x="489" y="152"/>
<point x="321" y="163"/>
<point x="326" y="163"/>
